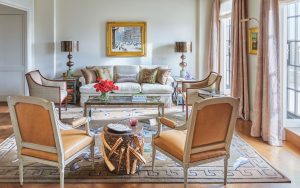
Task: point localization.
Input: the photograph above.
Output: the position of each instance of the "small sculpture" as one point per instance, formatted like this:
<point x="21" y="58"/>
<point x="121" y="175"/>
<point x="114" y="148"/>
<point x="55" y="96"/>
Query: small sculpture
<point x="188" y="76"/>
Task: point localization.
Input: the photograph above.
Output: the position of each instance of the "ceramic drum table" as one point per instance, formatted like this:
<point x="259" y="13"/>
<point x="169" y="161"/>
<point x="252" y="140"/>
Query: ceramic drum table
<point x="123" y="152"/>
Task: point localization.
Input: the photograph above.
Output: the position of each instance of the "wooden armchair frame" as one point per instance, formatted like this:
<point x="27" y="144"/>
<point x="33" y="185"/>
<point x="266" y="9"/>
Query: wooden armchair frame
<point x="51" y="90"/>
<point x="57" y="126"/>
<point x="192" y="85"/>
<point x="190" y="127"/>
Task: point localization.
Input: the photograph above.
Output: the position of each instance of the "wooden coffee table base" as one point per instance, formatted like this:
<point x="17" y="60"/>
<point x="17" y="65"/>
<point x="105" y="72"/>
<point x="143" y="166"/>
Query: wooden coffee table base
<point x="123" y="153"/>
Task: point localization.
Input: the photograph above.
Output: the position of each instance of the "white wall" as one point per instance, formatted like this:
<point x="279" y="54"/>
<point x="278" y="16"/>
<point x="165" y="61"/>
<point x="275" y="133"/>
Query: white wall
<point x="253" y="12"/>
<point x="168" y="21"/>
<point x="44" y="46"/>
<point x="205" y="7"/>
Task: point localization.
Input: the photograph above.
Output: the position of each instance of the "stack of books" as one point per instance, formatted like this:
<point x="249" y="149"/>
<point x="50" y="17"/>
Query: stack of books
<point x="139" y="98"/>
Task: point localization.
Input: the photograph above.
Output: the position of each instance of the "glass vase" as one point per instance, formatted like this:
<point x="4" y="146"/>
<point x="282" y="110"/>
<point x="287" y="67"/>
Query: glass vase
<point x="104" y="96"/>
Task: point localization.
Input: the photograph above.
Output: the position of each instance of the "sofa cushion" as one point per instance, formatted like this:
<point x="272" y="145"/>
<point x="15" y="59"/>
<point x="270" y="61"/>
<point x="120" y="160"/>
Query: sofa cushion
<point x="89" y="75"/>
<point x="156" y="88"/>
<point x="128" y="87"/>
<point x="104" y="72"/>
<point x="121" y="78"/>
<point x="126" y="70"/>
<point x="148" y="75"/>
<point x="88" y="88"/>
<point x="163" y="75"/>
<point x="142" y="67"/>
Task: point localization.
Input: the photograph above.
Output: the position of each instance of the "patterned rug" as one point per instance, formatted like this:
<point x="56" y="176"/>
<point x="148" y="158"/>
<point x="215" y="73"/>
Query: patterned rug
<point x="253" y="169"/>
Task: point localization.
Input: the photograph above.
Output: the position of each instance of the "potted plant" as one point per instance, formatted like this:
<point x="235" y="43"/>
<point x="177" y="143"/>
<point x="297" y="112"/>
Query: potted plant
<point x="105" y="86"/>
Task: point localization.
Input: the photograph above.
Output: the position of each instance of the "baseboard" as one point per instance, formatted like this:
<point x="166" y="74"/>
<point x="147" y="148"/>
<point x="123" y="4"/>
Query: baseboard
<point x="292" y="135"/>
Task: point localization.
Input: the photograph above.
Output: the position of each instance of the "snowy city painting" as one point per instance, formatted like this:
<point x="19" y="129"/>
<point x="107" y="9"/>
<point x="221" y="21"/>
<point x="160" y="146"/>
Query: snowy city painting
<point x="126" y="38"/>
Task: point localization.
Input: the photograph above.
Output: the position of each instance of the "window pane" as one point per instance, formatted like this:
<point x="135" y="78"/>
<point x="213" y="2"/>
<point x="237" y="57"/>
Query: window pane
<point x="298" y="79"/>
<point x="291" y="101"/>
<point x="297" y="48"/>
<point x="291" y="28"/>
<point x="225" y="7"/>
<point x="292" y="34"/>
<point x="298" y="105"/>
<point x="291" y="77"/>
<point x="291" y="9"/>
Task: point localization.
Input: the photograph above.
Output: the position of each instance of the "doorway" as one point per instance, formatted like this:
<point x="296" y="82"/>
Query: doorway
<point x="12" y="52"/>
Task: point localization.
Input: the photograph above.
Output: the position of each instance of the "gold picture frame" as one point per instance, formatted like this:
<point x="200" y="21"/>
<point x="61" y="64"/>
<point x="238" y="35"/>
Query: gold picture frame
<point x="126" y="39"/>
<point x="253" y="40"/>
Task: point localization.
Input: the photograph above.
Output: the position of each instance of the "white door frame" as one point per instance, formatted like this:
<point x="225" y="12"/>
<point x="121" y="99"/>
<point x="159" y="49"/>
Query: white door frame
<point x="29" y="33"/>
<point x="283" y="67"/>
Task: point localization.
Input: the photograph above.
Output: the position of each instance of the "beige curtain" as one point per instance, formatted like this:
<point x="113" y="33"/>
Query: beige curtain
<point x="239" y="81"/>
<point x="213" y="56"/>
<point x="267" y="106"/>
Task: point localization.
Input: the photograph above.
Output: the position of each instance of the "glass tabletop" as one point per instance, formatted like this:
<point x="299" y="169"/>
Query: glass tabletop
<point x="125" y="100"/>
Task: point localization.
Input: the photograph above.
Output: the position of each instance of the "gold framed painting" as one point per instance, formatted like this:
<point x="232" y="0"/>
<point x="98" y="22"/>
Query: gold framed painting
<point x="253" y="40"/>
<point x="126" y="39"/>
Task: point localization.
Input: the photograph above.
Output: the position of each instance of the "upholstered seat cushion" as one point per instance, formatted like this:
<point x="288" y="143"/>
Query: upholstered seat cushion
<point x="156" y="88"/>
<point x="88" y="88"/>
<point x="128" y="87"/>
<point x="73" y="141"/>
<point x="173" y="142"/>
<point x="192" y="96"/>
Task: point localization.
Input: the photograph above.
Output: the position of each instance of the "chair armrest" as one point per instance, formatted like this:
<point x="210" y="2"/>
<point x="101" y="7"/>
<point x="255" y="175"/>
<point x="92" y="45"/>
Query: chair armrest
<point x="62" y="84"/>
<point x="194" y="84"/>
<point x="170" y="81"/>
<point x="76" y="123"/>
<point x="169" y="123"/>
<point x="82" y="80"/>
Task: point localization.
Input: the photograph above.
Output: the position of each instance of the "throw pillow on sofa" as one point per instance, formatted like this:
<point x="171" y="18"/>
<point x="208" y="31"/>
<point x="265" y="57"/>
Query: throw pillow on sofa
<point x="104" y="73"/>
<point x="121" y="78"/>
<point x="149" y="75"/>
<point x="163" y="75"/>
<point x="89" y="75"/>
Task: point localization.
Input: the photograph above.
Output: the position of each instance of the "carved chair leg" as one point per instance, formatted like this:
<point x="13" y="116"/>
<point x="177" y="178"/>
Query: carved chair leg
<point x="153" y="156"/>
<point x="186" y="112"/>
<point x="62" y="176"/>
<point x="92" y="148"/>
<point x="59" y="110"/>
<point x="225" y="170"/>
<point x="185" y="171"/>
<point x="66" y="103"/>
<point x="21" y="170"/>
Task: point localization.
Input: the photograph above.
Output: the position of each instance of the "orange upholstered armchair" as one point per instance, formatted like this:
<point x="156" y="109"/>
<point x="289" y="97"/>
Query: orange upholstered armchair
<point x="42" y="138"/>
<point x="190" y="89"/>
<point x="203" y="138"/>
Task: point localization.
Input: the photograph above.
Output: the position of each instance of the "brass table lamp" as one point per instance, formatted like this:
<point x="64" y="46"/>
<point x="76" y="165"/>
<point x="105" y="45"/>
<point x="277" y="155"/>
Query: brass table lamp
<point x="183" y="47"/>
<point x="70" y="46"/>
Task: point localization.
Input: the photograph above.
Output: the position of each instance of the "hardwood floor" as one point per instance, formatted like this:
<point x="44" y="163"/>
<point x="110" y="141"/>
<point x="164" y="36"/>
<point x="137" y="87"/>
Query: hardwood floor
<point x="286" y="159"/>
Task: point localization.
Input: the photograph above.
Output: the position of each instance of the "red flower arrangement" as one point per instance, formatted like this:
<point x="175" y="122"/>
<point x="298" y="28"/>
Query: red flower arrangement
<point x="105" y="86"/>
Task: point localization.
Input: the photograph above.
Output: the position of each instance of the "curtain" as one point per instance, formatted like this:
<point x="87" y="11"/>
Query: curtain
<point x="213" y="56"/>
<point x="239" y="81"/>
<point x="267" y="106"/>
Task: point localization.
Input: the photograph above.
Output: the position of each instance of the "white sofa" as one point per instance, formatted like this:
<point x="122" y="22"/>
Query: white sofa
<point x="131" y="88"/>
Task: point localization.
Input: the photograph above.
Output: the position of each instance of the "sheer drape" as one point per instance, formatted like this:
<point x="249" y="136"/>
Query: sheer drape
<point x="239" y="81"/>
<point x="213" y="57"/>
<point x="267" y="106"/>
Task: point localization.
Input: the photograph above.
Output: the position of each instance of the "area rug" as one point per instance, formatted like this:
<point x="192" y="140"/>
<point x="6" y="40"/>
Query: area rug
<point x="254" y="170"/>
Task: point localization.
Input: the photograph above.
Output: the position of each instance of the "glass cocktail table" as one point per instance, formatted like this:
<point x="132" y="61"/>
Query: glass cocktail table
<point x="122" y="102"/>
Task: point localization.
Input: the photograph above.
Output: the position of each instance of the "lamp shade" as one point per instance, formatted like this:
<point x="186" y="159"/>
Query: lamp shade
<point x="70" y="46"/>
<point x="183" y="47"/>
